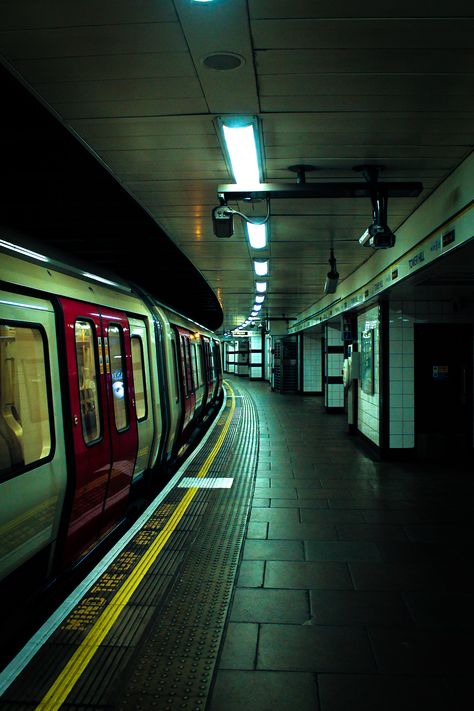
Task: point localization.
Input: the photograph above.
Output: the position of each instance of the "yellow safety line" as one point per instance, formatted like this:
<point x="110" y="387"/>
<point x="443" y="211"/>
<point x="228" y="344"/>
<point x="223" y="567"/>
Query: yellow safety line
<point x="78" y="663"/>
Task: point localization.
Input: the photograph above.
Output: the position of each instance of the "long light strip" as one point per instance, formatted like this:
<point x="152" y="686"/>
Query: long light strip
<point x="23" y="251"/>
<point x="261" y="286"/>
<point x="260" y="299"/>
<point x="261" y="267"/>
<point x="257" y="235"/>
<point x="242" y="150"/>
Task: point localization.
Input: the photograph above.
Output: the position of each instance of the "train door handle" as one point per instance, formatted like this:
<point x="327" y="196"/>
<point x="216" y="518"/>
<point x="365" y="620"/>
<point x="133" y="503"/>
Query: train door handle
<point x="75" y="420"/>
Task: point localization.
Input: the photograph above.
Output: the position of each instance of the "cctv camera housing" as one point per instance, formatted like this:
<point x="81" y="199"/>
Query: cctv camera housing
<point x="222" y="222"/>
<point x="330" y="285"/>
<point x="381" y="237"/>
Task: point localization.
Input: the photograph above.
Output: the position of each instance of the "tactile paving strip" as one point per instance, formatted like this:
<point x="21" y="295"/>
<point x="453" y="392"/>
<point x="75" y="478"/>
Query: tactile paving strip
<point x="162" y="650"/>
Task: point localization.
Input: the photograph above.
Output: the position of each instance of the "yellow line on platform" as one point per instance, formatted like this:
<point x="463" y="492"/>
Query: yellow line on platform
<point x="70" y="675"/>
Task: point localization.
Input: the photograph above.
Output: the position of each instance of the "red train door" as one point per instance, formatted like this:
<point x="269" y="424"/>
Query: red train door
<point x="104" y="431"/>
<point x="189" y="397"/>
<point x="122" y="414"/>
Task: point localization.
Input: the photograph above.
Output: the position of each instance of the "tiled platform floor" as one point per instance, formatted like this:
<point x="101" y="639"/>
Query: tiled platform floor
<point x="356" y="585"/>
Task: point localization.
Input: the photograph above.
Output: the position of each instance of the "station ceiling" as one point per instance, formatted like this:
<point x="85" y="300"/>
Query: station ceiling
<point x="334" y="85"/>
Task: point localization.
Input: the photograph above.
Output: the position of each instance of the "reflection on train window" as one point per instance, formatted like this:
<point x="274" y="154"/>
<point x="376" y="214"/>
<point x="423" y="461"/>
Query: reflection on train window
<point x="194" y="365"/>
<point x="25" y="429"/>
<point x="175" y="368"/>
<point x="199" y="363"/>
<point x="138" y="377"/>
<point x="189" y="376"/>
<point x="117" y="369"/>
<point x="87" y="378"/>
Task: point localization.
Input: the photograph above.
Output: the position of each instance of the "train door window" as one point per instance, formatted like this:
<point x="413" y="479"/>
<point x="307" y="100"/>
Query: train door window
<point x="175" y="368"/>
<point x="117" y="369"/>
<point x="86" y="358"/>
<point x="212" y="369"/>
<point x="139" y="378"/>
<point x="217" y="359"/>
<point x="187" y="364"/>
<point x="194" y="364"/>
<point x="25" y="417"/>
<point x="199" y="363"/>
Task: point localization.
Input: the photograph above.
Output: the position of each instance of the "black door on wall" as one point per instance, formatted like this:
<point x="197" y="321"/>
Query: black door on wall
<point x="443" y="390"/>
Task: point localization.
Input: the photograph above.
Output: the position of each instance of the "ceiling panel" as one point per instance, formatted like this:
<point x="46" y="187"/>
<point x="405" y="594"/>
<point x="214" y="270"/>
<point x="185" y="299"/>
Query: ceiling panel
<point x="333" y="84"/>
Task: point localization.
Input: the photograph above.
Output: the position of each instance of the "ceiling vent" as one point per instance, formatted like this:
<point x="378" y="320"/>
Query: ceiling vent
<point x="223" y="61"/>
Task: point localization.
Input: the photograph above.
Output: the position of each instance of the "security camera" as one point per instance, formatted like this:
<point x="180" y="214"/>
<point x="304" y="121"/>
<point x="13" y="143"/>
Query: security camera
<point x="330" y="285"/>
<point x="378" y="237"/>
<point x="222" y="221"/>
<point x="332" y="277"/>
<point x="381" y="237"/>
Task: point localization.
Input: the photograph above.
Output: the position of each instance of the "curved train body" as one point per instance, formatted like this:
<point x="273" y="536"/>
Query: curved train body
<point x="101" y="389"/>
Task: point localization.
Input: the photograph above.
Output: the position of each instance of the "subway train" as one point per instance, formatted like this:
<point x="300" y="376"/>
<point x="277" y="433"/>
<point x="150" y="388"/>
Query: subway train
<point x="102" y="390"/>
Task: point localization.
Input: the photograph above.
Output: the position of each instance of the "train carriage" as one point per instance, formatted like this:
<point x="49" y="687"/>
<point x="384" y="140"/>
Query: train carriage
<point x="101" y="390"/>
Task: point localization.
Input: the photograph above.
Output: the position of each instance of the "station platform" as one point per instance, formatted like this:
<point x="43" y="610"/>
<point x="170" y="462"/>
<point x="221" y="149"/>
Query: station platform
<point x="281" y="568"/>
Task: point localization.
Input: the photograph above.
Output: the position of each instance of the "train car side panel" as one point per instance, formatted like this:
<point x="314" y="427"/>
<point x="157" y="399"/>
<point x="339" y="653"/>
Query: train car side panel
<point x="32" y="451"/>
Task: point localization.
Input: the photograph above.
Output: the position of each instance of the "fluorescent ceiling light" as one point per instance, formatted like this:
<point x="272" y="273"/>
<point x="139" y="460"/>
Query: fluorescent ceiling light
<point x="242" y="151"/>
<point x="259" y="299"/>
<point x="257" y="235"/>
<point x="254" y="313"/>
<point x="261" y="267"/>
<point x="261" y="286"/>
<point x="257" y="307"/>
<point x="22" y="250"/>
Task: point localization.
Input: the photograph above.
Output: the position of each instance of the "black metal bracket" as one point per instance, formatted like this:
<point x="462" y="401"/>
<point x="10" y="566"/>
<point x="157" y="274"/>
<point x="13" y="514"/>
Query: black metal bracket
<point x="302" y="189"/>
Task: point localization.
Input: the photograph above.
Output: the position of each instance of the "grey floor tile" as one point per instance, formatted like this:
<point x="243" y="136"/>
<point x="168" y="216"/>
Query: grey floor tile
<point x="331" y="516"/>
<point x="302" y="531"/>
<point x="410" y="552"/>
<point x="260" y="502"/>
<point x="440" y="533"/>
<point x="316" y="649"/>
<point x="341" y="550"/>
<point x="369" y="692"/>
<point x="273" y="550"/>
<point x="412" y="577"/>
<point x="417" y="651"/>
<point x="277" y="606"/>
<point x="240" y="646"/>
<point x="322" y="576"/>
<point x="251" y="574"/>
<point x="357" y="608"/>
<point x="300" y="503"/>
<point x="370" y="532"/>
<point x="276" y="515"/>
<point x="264" y="691"/>
<point x="392" y="576"/>
<point x="441" y="610"/>
<point x="257" y="529"/>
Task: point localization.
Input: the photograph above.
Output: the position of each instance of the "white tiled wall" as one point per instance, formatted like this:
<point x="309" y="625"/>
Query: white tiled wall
<point x="334" y="392"/>
<point x="402" y="317"/>
<point x="255" y="358"/>
<point x="368" y="405"/>
<point x="312" y="364"/>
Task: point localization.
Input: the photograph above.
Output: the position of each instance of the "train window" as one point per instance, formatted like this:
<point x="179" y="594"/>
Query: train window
<point x="86" y="357"/>
<point x="194" y="364"/>
<point x="139" y="378"/>
<point x="175" y="367"/>
<point x="25" y="428"/>
<point x="212" y="369"/>
<point x="199" y="363"/>
<point x="117" y="369"/>
<point x="217" y="358"/>
<point x="187" y="364"/>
